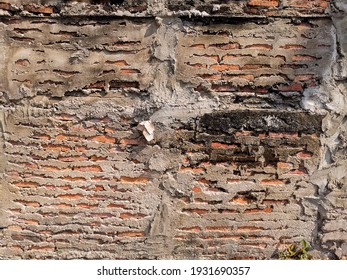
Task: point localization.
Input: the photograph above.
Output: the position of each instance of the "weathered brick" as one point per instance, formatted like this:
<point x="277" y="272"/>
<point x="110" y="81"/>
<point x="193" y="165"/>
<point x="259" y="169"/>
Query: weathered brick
<point x="272" y="182"/>
<point x="103" y="139"/>
<point x="134" y="180"/>
<point x="39" y="9"/>
<point x="92" y="168"/>
<point x="26" y="184"/>
<point x="70" y="196"/>
<point x="263" y="3"/>
<point x="131" y="216"/>
<point x="191" y="229"/>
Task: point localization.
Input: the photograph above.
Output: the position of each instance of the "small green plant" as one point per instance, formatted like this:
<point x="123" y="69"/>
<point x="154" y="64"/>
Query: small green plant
<point x="294" y="252"/>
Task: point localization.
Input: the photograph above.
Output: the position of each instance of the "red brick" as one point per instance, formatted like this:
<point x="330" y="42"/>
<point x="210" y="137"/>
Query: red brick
<point x="283" y="135"/>
<point x="26" y="184"/>
<point x="291" y="87"/>
<point x="87" y="206"/>
<point x="6" y="6"/>
<point x="92" y="168"/>
<point x="103" y="139"/>
<point x="96" y="158"/>
<point x="242" y="200"/>
<point x="65" y="117"/>
<point x="129" y="71"/>
<point x="204" y="181"/>
<point x="30" y="165"/>
<point x="29" y="221"/>
<point x="39" y="9"/>
<point x="99" y="178"/>
<point x="114" y="205"/>
<point x="70" y="196"/>
<point x="134" y="180"/>
<point x="131" y="216"/>
<point x="29" y="203"/>
<point x="308" y="4"/>
<point x="54" y="168"/>
<point x="304" y="57"/>
<point x="284" y="165"/>
<point x="96" y="85"/>
<point x="197" y="211"/>
<point x="224" y="67"/>
<point x="179" y="237"/>
<point x="254" y="66"/>
<point x="293" y="47"/>
<point x="98" y="188"/>
<point x="12" y="173"/>
<point x="218" y="145"/>
<point x="197" y="46"/>
<point x="211" y="77"/>
<point x="63" y="205"/>
<point x="263" y="3"/>
<point x="74" y="179"/>
<point x="72" y="159"/>
<point x="43" y="248"/>
<point x="265" y="210"/>
<point x="14" y="228"/>
<point x="259" y="47"/>
<point x="248" y="228"/>
<point x="246" y="77"/>
<point x="61" y="148"/>
<point x="196" y="189"/>
<point x="117" y="62"/>
<point x="110" y="130"/>
<point x="233" y="181"/>
<point x="198" y="65"/>
<point x="64" y="187"/>
<point x="129" y="141"/>
<point x="225" y="46"/>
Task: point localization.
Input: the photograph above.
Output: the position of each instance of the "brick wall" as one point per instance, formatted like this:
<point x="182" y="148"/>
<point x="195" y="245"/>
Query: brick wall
<point x="245" y="100"/>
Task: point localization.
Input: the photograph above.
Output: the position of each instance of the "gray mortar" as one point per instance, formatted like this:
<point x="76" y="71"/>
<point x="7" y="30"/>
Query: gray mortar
<point x="331" y="176"/>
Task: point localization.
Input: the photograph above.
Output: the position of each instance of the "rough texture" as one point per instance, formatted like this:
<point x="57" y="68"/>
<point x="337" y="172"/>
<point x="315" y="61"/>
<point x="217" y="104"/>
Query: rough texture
<point x="247" y="99"/>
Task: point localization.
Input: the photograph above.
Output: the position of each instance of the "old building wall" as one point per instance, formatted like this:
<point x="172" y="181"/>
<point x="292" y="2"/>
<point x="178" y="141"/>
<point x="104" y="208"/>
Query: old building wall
<point x="247" y="102"/>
